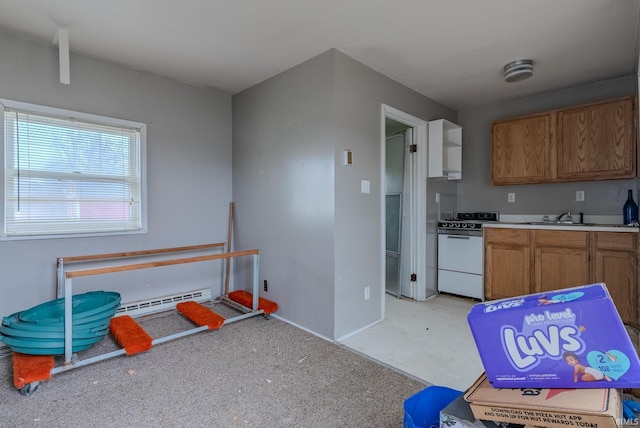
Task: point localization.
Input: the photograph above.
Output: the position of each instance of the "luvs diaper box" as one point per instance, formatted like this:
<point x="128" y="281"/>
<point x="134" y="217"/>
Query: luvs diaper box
<point x="570" y="338"/>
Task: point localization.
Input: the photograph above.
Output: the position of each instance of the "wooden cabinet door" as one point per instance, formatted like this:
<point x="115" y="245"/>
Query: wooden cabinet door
<point x="616" y="264"/>
<point x="507" y="271"/>
<point x="596" y="141"/>
<point x="521" y="150"/>
<point x="557" y="268"/>
<point x="617" y="269"/>
<point x="561" y="259"/>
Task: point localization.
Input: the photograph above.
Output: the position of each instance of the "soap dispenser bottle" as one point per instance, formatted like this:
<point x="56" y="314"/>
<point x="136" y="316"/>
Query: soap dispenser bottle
<point x="630" y="210"/>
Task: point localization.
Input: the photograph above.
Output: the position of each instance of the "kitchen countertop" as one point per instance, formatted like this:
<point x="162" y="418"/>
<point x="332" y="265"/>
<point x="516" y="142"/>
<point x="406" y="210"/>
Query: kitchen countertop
<point x="591" y="223"/>
<point x="589" y="227"/>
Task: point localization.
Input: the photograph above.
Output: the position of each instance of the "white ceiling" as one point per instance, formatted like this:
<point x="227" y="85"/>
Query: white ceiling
<point x="453" y="51"/>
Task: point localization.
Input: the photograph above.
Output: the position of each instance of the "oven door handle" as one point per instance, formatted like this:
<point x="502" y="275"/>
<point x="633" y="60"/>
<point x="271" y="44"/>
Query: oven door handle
<point x="458" y="237"/>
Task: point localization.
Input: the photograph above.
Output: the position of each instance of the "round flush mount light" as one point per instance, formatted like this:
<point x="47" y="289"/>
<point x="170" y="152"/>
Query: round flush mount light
<point x="517" y="70"/>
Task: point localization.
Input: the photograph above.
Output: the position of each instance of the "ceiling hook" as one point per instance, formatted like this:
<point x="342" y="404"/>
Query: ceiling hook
<point x="61" y="39"/>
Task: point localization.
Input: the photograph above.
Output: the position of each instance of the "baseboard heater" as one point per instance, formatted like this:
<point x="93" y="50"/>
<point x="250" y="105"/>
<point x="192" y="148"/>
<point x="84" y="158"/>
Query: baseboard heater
<point x="158" y="304"/>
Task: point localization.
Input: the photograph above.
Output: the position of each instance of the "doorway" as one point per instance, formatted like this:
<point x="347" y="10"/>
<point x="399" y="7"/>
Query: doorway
<point x="403" y="205"/>
<point x="398" y="141"/>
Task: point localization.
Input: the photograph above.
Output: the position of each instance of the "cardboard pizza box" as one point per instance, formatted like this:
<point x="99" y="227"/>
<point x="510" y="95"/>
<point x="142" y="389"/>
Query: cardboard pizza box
<point x="544" y="407"/>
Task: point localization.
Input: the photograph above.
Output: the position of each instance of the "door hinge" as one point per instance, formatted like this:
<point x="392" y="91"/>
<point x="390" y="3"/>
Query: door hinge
<point x="413" y="148"/>
<point x="414" y="277"/>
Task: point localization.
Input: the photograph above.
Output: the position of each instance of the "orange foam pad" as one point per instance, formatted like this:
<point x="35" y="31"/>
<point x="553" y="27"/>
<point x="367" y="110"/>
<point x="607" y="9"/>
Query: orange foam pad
<point x="200" y="315"/>
<point x="31" y="368"/>
<point x="130" y="335"/>
<point x="246" y="299"/>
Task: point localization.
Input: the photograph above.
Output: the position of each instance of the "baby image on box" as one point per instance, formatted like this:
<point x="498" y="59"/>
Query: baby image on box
<point x="589" y="374"/>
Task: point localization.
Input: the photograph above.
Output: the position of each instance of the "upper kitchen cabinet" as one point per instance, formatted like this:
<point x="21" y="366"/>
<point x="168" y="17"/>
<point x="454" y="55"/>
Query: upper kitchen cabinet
<point x="583" y="143"/>
<point x="596" y="141"/>
<point x="521" y="150"/>
<point x="445" y="150"/>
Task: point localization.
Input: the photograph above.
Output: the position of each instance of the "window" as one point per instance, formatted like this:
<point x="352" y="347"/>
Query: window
<point x="68" y="173"/>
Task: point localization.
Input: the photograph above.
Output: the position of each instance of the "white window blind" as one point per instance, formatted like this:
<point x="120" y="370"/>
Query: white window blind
<point x="70" y="173"/>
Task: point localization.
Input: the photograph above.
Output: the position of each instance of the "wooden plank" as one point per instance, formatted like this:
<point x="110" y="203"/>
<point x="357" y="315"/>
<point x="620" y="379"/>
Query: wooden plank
<point x="137" y="266"/>
<point x="141" y="253"/>
<point x="229" y="237"/>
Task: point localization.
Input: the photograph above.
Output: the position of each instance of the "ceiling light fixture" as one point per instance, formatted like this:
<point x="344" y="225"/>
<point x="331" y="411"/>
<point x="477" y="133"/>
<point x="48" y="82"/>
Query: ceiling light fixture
<point x="517" y="70"/>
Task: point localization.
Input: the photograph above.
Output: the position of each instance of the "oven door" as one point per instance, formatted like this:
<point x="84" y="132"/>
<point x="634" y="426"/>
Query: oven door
<point x="460" y="265"/>
<point x="460" y="253"/>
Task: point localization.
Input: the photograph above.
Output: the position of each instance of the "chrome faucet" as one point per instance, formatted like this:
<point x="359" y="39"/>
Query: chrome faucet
<point x="568" y="218"/>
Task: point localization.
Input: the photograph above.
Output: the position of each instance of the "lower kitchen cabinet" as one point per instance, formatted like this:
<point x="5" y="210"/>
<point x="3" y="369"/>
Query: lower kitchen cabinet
<point x="616" y="264"/>
<point x="561" y="259"/>
<point x="507" y="259"/>
<point x="524" y="261"/>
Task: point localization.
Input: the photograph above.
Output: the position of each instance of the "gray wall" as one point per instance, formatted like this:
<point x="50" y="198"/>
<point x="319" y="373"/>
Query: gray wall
<point x="188" y="172"/>
<point x="475" y="192"/>
<point x="359" y="93"/>
<point x="283" y="186"/>
<point x="319" y="236"/>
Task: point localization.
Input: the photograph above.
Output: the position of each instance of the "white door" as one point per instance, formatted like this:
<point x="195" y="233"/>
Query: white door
<point x="397" y="209"/>
<point x="407" y="286"/>
<point x="413" y="219"/>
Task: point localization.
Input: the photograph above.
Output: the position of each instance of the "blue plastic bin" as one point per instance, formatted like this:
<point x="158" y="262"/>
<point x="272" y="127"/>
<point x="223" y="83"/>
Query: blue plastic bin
<point x="422" y="410"/>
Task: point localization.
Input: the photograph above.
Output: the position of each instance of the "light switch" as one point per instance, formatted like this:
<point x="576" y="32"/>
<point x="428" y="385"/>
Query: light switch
<point x="364" y="186"/>
<point x="347" y="157"/>
<point x="511" y="197"/>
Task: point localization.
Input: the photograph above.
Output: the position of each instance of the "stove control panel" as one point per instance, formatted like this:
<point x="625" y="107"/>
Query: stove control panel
<point x="468" y="221"/>
<point x="455" y="224"/>
<point x="483" y="216"/>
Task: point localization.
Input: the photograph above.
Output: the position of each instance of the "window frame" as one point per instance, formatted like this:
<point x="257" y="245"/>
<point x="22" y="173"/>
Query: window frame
<point x="80" y="116"/>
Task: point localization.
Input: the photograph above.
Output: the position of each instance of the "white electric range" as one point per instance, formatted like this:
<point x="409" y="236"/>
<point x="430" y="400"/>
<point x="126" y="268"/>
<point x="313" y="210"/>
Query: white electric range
<point x="461" y="254"/>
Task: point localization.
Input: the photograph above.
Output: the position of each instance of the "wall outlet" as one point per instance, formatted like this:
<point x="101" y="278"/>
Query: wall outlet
<point x="579" y="195"/>
<point x="265" y="285"/>
<point x="511" y="197"/>
<point x="365" y="186"/>
<point x="367" y="293"/>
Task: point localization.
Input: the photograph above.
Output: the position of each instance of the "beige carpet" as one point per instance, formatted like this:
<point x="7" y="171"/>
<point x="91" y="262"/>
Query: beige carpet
<point x="252" y="373"/>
